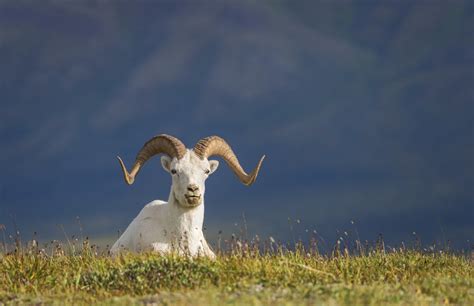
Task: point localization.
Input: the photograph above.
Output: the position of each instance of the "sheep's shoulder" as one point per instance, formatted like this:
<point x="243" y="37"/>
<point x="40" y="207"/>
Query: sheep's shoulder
<point x="155" y="203"/>
<point x="156" y="209"/>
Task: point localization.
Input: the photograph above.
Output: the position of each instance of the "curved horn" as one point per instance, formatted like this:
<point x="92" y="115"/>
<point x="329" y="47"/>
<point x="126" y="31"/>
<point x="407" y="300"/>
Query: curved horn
<point x="214" y="145"/>
<point x="167" y="144"/>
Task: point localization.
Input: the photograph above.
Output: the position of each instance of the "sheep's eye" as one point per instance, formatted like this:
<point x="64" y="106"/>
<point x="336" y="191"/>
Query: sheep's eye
<point x="207" y="171"/>
<point x="173" y="171"/>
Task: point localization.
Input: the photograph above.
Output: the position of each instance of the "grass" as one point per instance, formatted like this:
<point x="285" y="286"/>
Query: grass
<point x="246" y="276"/>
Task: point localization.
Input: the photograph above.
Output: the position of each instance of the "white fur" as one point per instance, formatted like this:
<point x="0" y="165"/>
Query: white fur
<point x="175" y="225"/>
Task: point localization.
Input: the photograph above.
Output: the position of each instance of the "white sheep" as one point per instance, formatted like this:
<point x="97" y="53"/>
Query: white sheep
<point x="176" y="225"/>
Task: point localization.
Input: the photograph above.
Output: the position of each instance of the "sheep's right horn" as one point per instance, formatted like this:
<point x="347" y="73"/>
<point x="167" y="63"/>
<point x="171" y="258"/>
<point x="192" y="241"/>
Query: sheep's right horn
<point x="166" y="144"/>
<point x="215" y="145"/>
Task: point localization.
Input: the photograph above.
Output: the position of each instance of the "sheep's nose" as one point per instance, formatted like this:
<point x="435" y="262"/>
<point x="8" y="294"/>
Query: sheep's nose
<point x="193" y="187"/>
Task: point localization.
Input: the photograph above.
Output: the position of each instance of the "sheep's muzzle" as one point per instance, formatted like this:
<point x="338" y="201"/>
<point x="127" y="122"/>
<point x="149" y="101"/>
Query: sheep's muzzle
<point x="193" y="199"/>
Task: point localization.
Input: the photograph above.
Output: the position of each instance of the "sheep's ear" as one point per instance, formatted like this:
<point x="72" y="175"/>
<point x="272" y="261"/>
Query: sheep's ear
<point x="213" y="164"/>
<point x="166" y="162"/>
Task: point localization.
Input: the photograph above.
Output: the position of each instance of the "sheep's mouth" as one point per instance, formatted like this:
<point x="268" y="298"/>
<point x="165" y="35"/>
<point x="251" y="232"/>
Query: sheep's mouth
<point x="191" y="196"/>
<point x="193" y="199"/>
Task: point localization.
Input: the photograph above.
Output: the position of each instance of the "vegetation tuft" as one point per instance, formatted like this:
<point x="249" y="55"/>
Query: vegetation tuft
<point x="243" y="275"/>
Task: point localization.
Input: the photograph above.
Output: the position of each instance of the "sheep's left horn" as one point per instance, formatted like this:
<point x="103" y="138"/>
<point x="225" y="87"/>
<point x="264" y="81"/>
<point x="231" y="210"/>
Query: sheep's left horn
<point x="214" y="145"/>
<point x="166" y="144"/>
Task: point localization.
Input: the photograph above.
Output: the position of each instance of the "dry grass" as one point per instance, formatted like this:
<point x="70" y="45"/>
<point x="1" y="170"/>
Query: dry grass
<point x="246" y="274"/>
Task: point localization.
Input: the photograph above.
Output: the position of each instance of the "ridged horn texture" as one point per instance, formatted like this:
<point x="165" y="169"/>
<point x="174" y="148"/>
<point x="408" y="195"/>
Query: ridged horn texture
<point x="166" y="144"/>
<point x="214" y="145"/>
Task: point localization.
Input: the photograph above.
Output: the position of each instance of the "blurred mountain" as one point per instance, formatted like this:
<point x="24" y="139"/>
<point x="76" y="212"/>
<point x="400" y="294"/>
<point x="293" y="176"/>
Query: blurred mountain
<point x="364" y="111"/>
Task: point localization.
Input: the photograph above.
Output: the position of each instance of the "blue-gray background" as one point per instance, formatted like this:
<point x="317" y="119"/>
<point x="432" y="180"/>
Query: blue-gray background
<point x="365" y="112"/>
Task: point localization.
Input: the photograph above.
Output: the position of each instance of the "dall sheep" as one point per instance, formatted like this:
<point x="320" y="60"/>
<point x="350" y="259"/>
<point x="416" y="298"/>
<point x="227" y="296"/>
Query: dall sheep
<point x="176" y="225"/>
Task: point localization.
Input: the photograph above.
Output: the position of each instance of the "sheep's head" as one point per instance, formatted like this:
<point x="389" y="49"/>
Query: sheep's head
<point x="189" y="169"/>
<point x="189" y="175"/>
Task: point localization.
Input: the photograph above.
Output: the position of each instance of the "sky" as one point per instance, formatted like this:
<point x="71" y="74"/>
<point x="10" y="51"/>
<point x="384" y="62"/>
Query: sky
<point x="364" y="111"/>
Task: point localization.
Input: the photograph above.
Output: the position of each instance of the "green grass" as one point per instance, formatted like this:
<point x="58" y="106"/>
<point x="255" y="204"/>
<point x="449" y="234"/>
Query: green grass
<point x="244" y="278"/>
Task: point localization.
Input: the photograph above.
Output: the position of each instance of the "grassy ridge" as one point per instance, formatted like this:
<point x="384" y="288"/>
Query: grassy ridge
<point x="406" y="277"/>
